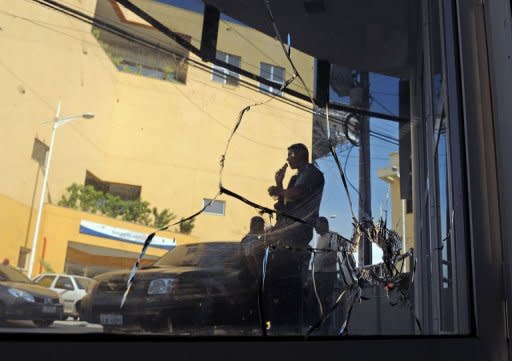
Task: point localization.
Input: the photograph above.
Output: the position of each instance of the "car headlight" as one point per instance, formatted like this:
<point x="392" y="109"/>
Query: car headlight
<point x="160" y="286"/>
<point x="21" y="294"/>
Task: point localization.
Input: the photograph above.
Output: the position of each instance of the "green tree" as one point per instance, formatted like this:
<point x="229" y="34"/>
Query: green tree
<point x="81" y="197"/>
<point x="163" y="218"/>
<point x="187" y="226"/>
<point x="136" y="211"/>
<point x="111" y="205"/>
<point x="88" y="199"/>
<point x="71" y="201"/>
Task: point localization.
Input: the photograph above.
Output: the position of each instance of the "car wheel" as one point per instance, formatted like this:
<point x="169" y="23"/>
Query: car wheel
<point x="43" y="323"/>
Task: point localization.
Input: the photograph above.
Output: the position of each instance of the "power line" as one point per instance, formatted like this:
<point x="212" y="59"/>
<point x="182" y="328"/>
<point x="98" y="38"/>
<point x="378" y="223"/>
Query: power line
<point x="382" y="105"/>
<point x="34" y="22"/>
<point x="385" y="93"/>
<point x="254" y="66"/>
<point x="184" y="43"/>
<point x="199" y="65"/>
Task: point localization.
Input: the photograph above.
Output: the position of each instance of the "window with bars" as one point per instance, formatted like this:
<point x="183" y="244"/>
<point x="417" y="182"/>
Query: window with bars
<point x="273" y="73"/>
<point x="223" y="75"/>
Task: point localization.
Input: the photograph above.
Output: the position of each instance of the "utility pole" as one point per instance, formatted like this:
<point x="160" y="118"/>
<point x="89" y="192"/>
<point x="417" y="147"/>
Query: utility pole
<point x="365" y="194"/>
<point x="57" y="122"/>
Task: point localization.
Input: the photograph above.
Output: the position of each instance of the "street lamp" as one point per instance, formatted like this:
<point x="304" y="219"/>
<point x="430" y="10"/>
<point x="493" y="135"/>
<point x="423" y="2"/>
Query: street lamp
<point x="57" y="122"/>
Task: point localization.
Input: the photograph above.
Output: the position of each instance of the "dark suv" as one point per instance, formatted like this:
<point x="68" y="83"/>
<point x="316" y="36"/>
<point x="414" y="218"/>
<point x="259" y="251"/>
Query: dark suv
<point x="192" y="288"/>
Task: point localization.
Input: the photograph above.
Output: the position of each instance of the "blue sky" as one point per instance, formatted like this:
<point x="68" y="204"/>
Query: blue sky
<point x="384" y="91"/>
<point x="194" y="5"/>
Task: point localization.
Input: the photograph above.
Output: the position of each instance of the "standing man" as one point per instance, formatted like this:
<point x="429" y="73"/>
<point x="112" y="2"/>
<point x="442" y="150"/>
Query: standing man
<point x="301" y="199"/>
<point x="335" y="270"/>
<point x="324" y="274"/>
<point x="289" y="239"/>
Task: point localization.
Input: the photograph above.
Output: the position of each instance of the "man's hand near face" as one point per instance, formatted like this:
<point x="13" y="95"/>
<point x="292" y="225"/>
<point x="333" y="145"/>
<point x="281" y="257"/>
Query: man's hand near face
<point x="279" y="177"/>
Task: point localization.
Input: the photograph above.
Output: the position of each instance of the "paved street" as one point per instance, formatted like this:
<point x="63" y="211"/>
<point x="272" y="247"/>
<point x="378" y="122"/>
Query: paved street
<point x="57" y="327"/>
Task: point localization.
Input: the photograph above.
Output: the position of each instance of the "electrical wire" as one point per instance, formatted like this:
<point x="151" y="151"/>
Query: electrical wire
<point x="222" y="190"/>
<point x="382" y="105"/>
<point x="287" y="52"/>
<point x="193" y="38"/>
<point x="148" y="240"/>
<point x="137" y="39"/>
<point x="345" y="169"/>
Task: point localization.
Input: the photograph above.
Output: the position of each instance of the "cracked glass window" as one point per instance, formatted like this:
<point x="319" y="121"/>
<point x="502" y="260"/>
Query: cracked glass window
<point x="226" y="172"/>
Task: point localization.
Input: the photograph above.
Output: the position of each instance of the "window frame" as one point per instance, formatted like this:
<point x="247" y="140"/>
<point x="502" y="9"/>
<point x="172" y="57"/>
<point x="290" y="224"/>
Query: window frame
<point x="226" y="73"/>
<point x="485" y="253"/>
<point x="270" y="89"/>
<point x="206" y="200"/>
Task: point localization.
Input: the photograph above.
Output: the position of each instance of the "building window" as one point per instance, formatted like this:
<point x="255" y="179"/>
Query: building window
<point x="127" y="192"/>
<point x="225" y="76"/>
<point x="168" y="63"/>
<point x="273" y="73"/>
<point x="215" y="207"/>
<point x="39" y="151"/>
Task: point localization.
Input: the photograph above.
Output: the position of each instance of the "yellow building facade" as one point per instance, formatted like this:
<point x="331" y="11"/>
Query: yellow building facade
<point x="164" y="137"/>
<point x="402" y="217"/>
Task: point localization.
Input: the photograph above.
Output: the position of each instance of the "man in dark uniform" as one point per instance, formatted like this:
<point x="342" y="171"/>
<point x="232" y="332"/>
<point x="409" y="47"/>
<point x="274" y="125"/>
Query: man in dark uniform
<point x="289" y="239"/>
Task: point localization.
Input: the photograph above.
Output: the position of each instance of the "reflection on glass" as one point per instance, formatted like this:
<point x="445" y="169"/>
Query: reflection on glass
<point x="446" y="243"/>
<point x="272" y="254"/>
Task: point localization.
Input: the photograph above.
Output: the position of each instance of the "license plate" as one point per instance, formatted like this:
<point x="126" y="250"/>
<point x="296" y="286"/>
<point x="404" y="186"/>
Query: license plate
<point x="49" y="309"/>
<point x="111" y="319"/>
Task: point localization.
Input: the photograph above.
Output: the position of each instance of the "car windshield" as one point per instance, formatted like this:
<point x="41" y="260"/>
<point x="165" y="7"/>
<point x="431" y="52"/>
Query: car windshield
<point x="201" y="255"/>
<point x="8" y="273"/>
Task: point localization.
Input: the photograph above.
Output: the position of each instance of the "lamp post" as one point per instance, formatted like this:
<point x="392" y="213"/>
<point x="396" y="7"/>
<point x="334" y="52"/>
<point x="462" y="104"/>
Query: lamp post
<point x="57" y="122"/>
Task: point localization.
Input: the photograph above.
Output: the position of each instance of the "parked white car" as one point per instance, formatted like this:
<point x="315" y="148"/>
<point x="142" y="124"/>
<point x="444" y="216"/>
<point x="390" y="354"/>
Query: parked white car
<point x="71" y="289"/>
